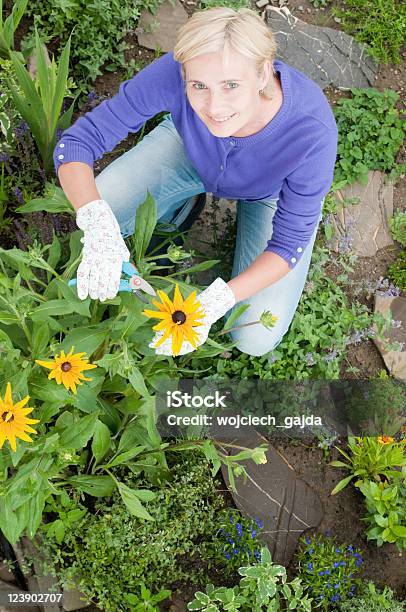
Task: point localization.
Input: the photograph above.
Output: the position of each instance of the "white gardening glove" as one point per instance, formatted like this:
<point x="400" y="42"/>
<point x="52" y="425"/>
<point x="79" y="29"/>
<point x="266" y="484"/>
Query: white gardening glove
<point x="104" y="251"/>
<point x="215" y="301"/>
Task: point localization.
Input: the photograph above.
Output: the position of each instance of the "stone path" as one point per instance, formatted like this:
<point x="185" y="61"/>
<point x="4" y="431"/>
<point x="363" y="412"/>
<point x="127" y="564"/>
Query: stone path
<point x="395" y="361"/>
<point x="285" y="503"/>
<point x="363" y="227"/>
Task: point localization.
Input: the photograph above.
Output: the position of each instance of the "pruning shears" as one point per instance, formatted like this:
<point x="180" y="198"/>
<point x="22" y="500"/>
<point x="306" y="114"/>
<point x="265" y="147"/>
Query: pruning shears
<point x="134" y="283"/>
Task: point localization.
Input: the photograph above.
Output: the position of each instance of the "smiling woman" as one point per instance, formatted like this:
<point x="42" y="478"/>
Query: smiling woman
<point x="241" y="125"/>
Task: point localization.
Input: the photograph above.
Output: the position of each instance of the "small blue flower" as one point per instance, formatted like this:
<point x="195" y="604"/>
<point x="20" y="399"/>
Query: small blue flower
<point x="335" y="597"/>
<point x="259" y="523"/>
<point x="310" y="566"/>
<point x="350" y="548"/>
<point x="253" y="533"/>
<point x="236" y="551"/>
<point x="257" y="555"/>
<point x="230" y="540"/>
<point x="337" y="586"/>
<point x="227" y="556"/>
<point x="342" y="563"/>
<point x="238" y="528"/>
<point x="328" y="533"/>
<point x="310" y="551"/>
<point x="231" y="519"/>
<point x="308" y="541"/>
<point x="338" y="550"/>
<point x="336" y="564"/>
<point x="328" y="585"/>
<point x="358" y="562"/>
<point x="321" y="573"/>
<point x="327" y="572"/>
<point x="320" y="597"/>
<point x="351" y="593"/>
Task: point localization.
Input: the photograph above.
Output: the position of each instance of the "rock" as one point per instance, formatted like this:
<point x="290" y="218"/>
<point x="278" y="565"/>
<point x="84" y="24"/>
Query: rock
<point x="395" y="361"/>
<point x="285" y="503"/>
<point x="165" y="24"/>
<point x="7" y="589"/>
<point x="327" y="56"/>
<point x="364" y="225"/>
<point x="261" y="3"/>
<point x="5" y="574"/>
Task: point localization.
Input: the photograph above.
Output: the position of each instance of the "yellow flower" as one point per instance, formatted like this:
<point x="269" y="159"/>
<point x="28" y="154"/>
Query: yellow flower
<point x="179" y="318"/>
<point x="13" y="420"/>
<point x="385" y="439"/>
<point x="67" y="369"/>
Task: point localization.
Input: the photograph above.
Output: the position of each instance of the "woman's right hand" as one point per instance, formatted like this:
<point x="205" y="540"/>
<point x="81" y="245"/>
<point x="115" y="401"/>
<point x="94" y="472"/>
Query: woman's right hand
<point x="104" y="251"/>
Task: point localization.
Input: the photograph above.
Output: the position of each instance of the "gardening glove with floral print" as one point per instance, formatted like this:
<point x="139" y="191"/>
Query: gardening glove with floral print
<point x="214" y="302"/>
<point x="104" y="251"/>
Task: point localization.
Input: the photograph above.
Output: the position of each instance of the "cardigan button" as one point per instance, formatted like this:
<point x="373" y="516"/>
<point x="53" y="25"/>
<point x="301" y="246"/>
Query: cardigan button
<point x="299" y="249"/>
<point x="61" y="156"/>
<point x="62" y="145"/>
<point x="293" y="260"/>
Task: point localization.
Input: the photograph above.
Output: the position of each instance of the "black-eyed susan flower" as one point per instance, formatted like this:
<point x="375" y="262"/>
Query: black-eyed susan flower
<point x="67" y="369"/>
<point x="178" y="318"/>
<point x="385" y="439"/>
<point x="13" y="420"/>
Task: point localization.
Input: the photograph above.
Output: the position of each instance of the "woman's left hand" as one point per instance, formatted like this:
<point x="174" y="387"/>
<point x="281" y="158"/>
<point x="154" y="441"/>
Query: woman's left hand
<point x="215" y="301"/>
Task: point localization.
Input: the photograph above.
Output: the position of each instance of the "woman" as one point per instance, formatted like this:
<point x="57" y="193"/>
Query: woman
<point x="243" y="126"/>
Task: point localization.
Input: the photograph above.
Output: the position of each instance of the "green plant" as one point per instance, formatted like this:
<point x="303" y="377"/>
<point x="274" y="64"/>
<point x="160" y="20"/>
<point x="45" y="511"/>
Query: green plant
<point x="373" y="600"/>
<point x="264" y="586"/>
<point x="145" y="602"/>
<point x="386" y="505"/>
<point x="328" y="570"/>
<point x="111" y="551"/>
<point x="111" y="420"/>
<point x="371" y="458"/>
<point x="333" y="204"/>
<point x="379" y="24"/>
<point x="370" y="134"/>
<point x="236" y="541"/>
<point x="42" y="110"/>
<point x="97" y="30"/>
<point x="235" y="4"/>
<point x="9" y="26"/>
<point x="397" y="225"/>
<point x="397" y="271"/>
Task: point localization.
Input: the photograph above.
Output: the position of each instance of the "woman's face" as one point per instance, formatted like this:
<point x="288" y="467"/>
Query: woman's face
<point x="228" y="93"/>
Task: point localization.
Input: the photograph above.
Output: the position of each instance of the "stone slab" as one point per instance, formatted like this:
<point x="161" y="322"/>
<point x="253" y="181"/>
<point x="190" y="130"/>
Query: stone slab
<point x="5" y="589"/>
<point x="165" y="24"/>
<point x="363" y="227"/>
<point x="327" y="56"/>
<point x="395" y="361"/>
<point x="285" y="503"/>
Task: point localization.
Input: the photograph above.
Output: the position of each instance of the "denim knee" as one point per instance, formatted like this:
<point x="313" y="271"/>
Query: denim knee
<point x="256" y="343"/>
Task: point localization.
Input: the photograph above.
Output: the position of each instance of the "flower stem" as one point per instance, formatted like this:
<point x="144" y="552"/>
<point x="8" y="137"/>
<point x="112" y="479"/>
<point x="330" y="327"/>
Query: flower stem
<point x="226" y="331"/>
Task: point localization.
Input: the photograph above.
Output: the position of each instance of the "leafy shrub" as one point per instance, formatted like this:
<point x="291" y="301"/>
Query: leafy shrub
<point x="263" y="586"/>
<point x="397" y="226"/>
<point x="98" y="31"/>
<point x="328" y="570"/>
<point x="110" y="552"/>
<point x="235" y="4"/>
<point x="373" y="600"/>
<point x="397" y="271"/>
<point x="370" y="133"/>
<point x="379" y="24"/>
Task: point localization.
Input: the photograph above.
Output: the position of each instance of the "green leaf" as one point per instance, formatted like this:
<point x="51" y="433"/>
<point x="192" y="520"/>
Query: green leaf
<point x="137" y="381"/>
<point x="84" y="339"/>
<point x="40" y="339"/>
<point x="80" y="433"/>
<point x="52" y="308"/>
<point x="236" y="313"/>
<point x="399" y="531"/>
<point x="101" y="441"/>
<point x="342" y="484"/>
<point x="132" y="502"/>
<point x="145" y="222"/>
<point x="201" y="267"/>
<point x="98" y="486"/>
<point x="56" y="202"/>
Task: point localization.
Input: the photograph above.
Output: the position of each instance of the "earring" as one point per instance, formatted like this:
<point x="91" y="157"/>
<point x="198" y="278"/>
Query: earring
<point x="261" y="91"/>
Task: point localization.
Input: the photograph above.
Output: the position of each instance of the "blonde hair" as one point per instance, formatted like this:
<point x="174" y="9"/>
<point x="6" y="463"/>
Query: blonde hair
<point x="223" y="28"/>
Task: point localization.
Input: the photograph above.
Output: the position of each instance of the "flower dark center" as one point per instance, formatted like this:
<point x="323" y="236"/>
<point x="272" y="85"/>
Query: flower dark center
<point x="66" y="366"/>
<point x="178" y="317"/>
<point x="7" y="417"/>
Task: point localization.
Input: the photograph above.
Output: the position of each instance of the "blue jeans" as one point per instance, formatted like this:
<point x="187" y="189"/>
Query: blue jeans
<point x="159" y="163"/>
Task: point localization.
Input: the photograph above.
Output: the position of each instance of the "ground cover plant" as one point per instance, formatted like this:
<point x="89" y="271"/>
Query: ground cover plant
<point x="381" y="25"/>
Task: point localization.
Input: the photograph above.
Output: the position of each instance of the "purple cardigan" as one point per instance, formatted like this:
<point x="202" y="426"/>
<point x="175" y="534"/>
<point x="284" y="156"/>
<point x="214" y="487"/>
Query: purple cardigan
<point x="292" y="158"/>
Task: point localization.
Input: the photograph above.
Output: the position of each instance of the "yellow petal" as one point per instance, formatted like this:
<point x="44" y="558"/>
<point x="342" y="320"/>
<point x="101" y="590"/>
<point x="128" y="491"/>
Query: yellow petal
<point x="8" y="397"/>
<point x="177" y="299"/>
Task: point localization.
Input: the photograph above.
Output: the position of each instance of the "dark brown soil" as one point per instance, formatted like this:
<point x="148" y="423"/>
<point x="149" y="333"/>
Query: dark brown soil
<point x="343" y="513"/>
